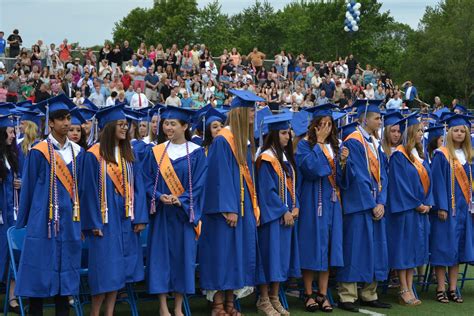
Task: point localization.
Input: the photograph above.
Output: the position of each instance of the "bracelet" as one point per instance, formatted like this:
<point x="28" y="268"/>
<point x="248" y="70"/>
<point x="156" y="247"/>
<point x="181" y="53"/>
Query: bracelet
<point x="321" y="143"/>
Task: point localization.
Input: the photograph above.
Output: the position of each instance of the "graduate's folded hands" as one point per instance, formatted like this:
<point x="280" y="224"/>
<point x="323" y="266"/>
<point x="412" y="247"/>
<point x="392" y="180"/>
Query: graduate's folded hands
<point x="423" y="209"/>
<point x="97" y="232"/>
<point x="442" y="215"/>
<point x="166" y="199"/>
<point x="138" y="228"/>
<point x="288" y="219"/>
<point x="378" y="212"/>
<point x="295" y="212"/>
<point x="231" y="219"/>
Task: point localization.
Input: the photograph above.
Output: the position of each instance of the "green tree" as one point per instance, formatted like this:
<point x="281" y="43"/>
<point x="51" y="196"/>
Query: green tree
<point x="212" y="28"/>
<point x="440" y="54"/>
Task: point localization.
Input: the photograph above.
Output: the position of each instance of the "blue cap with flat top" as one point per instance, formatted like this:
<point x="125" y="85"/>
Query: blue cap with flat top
<point x="461" y="108"/>
<point x="5" y="121"/>
<point x="32" y="116"/>
<point x="435" y="132"/>
<point x="176" y="113"/>
<point x="365" y="106"/>
<point x="76" y="117"/>
<point x="321" y="110"/>
<point x="6" y="108"/>
<point x="213" y="115"/>
<point x="56" y="103"/>
<point x="110" y="114"/>
<point x="408" y="121"/>
<point x="278" y="122"/>
<point x="458" y="120"/>
<point x="88" y="104"/>
<point x="391" y="118"/>
<point x="87" y="114"/>
<point x="348" y="129"/>
<point x="244" y="98"/>
<point x="300" y="122"/>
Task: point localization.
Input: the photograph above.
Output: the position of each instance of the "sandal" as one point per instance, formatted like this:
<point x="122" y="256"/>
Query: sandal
<point x="14" y="309"/>
<point x="321" y="299"/>
<point x="442" y="297"/>
<point x="230" y="309"/>
<point x="411" y="302"/>
<point x="264" y="306"/>
<point x="312" y="307"/>
<point x="453" y="296"/>
<point x="218" y="309"/>
<point x="275" y="300"/>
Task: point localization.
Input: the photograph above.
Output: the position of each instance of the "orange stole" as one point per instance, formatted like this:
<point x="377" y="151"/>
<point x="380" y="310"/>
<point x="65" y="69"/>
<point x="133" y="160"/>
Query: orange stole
<point x="374" y="164"/>
<point x="113" y="171"/>
<point x="62" y="172"/>
<point x="171" y="178"/>
<point x="422" y="172"/>
<point x="276" y="166"/>
<point x="227" y="134"/>
<point x="332" y="177"/>
<point x="460" y="175"/>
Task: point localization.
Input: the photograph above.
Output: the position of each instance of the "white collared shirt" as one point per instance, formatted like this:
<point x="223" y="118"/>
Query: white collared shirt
<point x="176" y="151"/>
<point x="461" y="156"/>
<point x="415" y="154"/>
<point x="65" y="151"/>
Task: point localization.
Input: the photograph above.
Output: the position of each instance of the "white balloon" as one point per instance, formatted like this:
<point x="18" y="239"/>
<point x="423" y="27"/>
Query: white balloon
<point x="357" y="13"/>
<point x="357" y="5"/>
<point x="355" y="28"/>
<point x="348" y="14"/>
<point x="354" y="22"/>
<point x="346" y="29"/>
<point x="350" y="18"/>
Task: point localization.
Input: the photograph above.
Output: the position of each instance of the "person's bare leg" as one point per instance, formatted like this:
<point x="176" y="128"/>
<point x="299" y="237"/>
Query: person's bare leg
<point x="323" y="280"/>
<point x="441" y="278"/>
<point x="96" y="304"/>
<point x="164" y="311"/>
<point x="178" y="304"/>
<point x="109" y="303"/>
<point x="453" y="277"/>
<point x="405" y="292"/>
<point x="409" y="280"/>
<point x="13" y="302"/>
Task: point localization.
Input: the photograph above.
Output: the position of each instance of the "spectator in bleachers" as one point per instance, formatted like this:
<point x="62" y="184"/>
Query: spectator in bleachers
<point x="15" y="41"/>
<point x="97" y="97"/>
<point x="65" y="51"/>
<point x="139" y="99"/>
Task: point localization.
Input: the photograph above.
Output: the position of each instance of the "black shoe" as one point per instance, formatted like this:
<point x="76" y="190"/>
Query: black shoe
<point x="348" y="306"/>
<point x="375" y="304"/>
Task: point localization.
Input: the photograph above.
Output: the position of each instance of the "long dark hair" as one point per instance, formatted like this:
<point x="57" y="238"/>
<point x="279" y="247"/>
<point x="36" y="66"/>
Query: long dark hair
<point x="107" y="144"/>
<point x="83" y="141"/>
<point x="332" y="138"/>
<point x="207" y="137"/>
<point x="11" y="153"/>
<point x="432" y="146"/>
<point x="160" y="137"/>
<point x="272" y="141"/>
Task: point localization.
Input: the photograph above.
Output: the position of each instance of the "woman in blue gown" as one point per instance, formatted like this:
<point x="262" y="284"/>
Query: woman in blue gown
<point x="50" y="210"/>
<point x="451" y="239"/>
<point x="113" y="211"/>
<point x="409" y="202"/>
<point x="9" y="190"/>
<point x="30" y="122"/>
<point x="320" y="223"/>
<point x="228" y="244"/>
<point x="276" y="190"/>
<point x="175" y="213"/>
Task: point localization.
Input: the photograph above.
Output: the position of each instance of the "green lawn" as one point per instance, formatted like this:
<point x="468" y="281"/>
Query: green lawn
<point x="199" y="306"/>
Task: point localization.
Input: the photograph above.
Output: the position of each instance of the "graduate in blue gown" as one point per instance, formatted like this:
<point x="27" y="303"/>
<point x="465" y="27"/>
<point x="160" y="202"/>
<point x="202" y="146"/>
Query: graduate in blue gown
<point x="434" y="141"/>
<point x="391" y="136"/>
<point x="76" y="132"/>
<point x="451" y="238"/>
<point x="228" y="244"/>
<point x="113" y="211"/>
<point x="9" y="191"/>
<point x="50" y="210"/>
<point x="30" y="122"/>
<point x="175" y="213"/>
<point x="409" y="201"/>
<point x="363" y="192"/>
<point x="320" y="223"/>
<point x="213" y="123"/>
<point x="279" y="207"/>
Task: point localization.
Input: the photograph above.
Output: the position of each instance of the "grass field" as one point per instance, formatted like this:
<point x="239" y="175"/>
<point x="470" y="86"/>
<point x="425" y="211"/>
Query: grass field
<point x="430" y="307"/>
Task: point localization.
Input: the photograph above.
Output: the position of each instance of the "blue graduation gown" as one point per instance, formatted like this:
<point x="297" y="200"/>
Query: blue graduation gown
<point x="364" y="239"/>
<point x="407" y="229"/>
<point x="6" y="206"/>
<point x="227" y="255"/>
<point x="278" y="244"/>
<point x="197" y="140"/>
<point x="319" y="237"/>
<point x="451" y="241"/>
<point x="172" y="245"/>
<point x="48" y="266"/>
<point x="117" y="257"/>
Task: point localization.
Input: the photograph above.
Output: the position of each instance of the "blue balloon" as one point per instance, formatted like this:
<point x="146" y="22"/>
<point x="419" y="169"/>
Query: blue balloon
<point x="351" y="10"/>
<point x="357" y="19"/>
<point x="349" y="6"/>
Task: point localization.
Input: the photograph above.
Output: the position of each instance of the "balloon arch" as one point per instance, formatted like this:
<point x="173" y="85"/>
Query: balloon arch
<point x="351" y="23"/>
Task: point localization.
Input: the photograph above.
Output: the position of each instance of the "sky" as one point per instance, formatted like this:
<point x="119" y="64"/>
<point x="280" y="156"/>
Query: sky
<point x="90" y="22"/>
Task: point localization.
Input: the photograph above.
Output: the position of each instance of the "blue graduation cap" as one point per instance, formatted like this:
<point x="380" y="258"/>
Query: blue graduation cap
<point x="56" y="103"/>
<point x="32" y="116"/>
<point x="213" y="115"/>
<point x="336" y="116"/>
<point x="6" y="108"/>
<point x="176" y="113"/>
<point x="408" y="121"/>
<point x="458" y="120"/>
<point x="76" y="117"/>
<point x="321" y="110"/>
<point x="365" y="106"/>
<point x="244" y="98"/>
<point x="435" y="132"/>
<point x="461" y="108"/>
<point x="348" y="129"/>
<point x="445" y="115"/>
<point x="391" y="118"/>
<point x="300" y="122"/>
<point x="259" y="115"/>
<point x="25" y="104"/>
<point x="5" y="121"/>
<point x="87" y="113"/>
<point x="133" y="115"/>
<point x="110" y="114"/>
<point x="90" y="105"/>
<point x="198" y="118"/>
<point x="441" y="111"/>
<point x="278" y="122"/>
<point x="405" y="111"/>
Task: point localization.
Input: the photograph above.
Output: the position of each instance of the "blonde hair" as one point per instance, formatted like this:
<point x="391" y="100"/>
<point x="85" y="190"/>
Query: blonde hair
<point x="466" y="144"/>
<point x="386" y="143"/>
<point x="30" y="130"/>
<point x="411" y="141"/>
<point x="238" y="120"/>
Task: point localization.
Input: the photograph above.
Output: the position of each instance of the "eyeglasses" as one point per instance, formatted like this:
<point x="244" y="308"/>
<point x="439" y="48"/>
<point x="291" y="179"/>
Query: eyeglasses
<point x="122" y="125"/>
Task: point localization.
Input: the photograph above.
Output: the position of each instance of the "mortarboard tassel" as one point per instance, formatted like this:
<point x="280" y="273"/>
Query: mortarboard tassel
<point x="46" y="122"/>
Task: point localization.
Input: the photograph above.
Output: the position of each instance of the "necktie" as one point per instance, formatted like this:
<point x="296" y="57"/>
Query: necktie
<point x="139" y="100"/>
